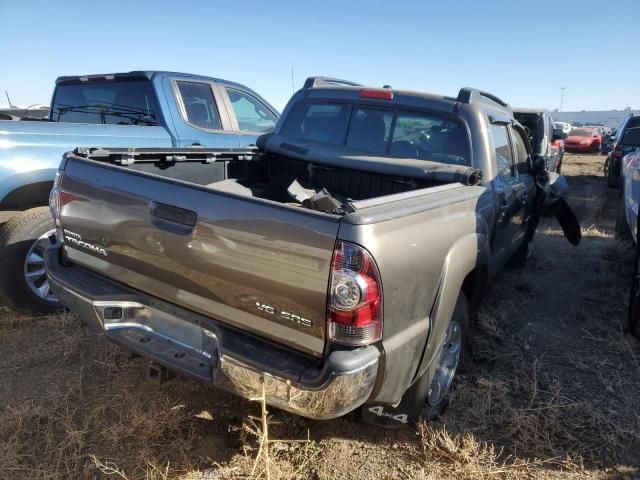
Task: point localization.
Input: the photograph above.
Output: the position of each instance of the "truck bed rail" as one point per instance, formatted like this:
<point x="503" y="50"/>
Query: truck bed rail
<point x="128" y="156"/>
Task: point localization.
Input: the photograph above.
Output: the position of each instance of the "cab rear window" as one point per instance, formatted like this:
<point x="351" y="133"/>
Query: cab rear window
<point x="125" y="102"/>
<point x="379" y="131"/>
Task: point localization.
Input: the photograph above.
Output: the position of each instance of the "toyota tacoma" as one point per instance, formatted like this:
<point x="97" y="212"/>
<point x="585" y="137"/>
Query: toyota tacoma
<point x="335" y="265"/>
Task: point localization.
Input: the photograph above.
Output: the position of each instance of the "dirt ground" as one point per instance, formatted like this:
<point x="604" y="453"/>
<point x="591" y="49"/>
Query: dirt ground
<point x="553" y="391"/>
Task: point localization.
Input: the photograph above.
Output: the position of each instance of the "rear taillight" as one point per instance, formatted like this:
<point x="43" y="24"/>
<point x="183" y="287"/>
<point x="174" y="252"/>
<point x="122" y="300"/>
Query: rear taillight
<point x="618" y="151"/>
<point x="354" y="313"/>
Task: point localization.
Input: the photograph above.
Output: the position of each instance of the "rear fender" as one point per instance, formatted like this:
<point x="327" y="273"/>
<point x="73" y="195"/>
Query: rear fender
<point x="466" y="254"/>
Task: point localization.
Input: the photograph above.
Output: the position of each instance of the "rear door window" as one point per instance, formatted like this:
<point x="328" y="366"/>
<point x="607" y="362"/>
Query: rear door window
<point x="200" y="107"/>
<point x="251" y="114"/>
<point x="125" y="102"/>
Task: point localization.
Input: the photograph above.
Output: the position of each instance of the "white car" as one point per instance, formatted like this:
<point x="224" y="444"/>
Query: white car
<point x="566" y="127"/>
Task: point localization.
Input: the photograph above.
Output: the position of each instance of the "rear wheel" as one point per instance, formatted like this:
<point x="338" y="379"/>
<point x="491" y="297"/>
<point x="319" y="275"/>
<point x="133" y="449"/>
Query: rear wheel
<point x="522" y="255"/>
<point x="24" y="286"/>
<point x="612" y="178"/>
<point x="427" y="398"/>
<point x="633" y="320"/>
<point x="448" y="360"/>
<point x="622" y="225"/>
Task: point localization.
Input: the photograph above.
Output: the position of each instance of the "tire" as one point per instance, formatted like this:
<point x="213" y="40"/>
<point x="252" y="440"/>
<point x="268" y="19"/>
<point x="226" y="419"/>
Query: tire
<point x="435" y="408"/>
<point x="522" y="255"/>
<point x="415" y="404"/>
<point x="27" y="234"/>
<point x="622" y="231"/>
<point x="612" y="179"/>
<point x="632" y="324"/>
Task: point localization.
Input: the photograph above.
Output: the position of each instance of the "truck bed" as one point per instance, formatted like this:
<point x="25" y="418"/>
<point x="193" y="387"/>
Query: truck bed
<point x="215" y="231"/>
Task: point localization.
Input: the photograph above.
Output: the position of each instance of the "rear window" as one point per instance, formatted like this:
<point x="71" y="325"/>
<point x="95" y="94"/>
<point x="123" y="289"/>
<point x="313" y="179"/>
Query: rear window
<point x="369" y="130"/>
<point x="631" y="136"/>
<point x="318" y="122"/>
<point x="391" y="133"/>
<point x="118" y="103"/>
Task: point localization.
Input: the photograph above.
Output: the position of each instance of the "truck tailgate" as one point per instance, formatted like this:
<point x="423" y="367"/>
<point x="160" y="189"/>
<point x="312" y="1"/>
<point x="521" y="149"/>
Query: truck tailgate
<point x="248" y="262"/>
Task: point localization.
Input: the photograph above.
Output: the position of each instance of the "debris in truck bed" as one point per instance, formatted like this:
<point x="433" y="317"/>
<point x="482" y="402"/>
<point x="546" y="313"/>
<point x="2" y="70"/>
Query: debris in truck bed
<point x="313" y="199"/>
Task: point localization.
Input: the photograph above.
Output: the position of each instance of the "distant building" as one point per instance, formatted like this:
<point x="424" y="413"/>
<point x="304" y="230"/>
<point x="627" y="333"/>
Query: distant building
<point x="607" y="118"/>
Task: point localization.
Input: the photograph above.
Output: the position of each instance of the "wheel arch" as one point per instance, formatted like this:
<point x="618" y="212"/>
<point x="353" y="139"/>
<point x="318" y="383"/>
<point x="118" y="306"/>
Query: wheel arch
<point x="27" y="196"/>
<point x="465" y="269"/>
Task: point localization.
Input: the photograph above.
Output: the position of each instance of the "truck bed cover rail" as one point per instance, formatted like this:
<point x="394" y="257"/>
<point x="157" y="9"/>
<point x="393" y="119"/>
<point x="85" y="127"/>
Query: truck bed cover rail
<point x="128" y="156"/>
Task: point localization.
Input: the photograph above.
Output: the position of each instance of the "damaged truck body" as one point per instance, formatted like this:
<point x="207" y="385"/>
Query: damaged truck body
<point x="336" y="263"/>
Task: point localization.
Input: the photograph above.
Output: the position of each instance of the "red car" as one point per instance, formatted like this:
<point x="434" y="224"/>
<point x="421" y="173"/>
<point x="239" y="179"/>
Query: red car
<point x="584" y="139"/>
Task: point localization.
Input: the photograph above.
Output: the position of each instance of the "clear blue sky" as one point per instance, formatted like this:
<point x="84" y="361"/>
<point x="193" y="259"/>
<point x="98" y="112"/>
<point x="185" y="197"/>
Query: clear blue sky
<point x="521" y="51"/>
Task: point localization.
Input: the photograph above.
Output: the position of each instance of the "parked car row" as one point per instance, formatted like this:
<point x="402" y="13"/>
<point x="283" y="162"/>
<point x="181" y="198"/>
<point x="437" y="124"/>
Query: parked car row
<point x="624" y="172"/>
<point x="331" y="256"/>
<point x="626" y="141"/>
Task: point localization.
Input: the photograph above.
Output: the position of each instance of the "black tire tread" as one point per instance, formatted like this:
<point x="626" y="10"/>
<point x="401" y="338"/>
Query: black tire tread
<point x="16" y="237"/>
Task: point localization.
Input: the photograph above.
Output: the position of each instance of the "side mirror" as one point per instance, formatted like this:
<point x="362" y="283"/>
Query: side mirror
<point x="557" y="134"/>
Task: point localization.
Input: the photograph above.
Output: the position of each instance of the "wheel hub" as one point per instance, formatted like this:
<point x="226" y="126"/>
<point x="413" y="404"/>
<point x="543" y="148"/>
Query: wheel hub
<point x="447" y="364"/>
<point x="34" y="273"/>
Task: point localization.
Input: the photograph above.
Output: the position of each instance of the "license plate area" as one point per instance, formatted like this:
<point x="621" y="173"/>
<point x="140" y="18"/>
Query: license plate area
<point x="166" y="339"/>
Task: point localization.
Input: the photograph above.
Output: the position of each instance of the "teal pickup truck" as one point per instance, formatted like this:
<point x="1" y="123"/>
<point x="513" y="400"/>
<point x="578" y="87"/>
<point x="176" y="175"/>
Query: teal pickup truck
<point x="141" y="108"/>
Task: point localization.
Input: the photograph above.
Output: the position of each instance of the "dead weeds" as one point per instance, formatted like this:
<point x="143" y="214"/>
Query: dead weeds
<point x="554" y="391"/>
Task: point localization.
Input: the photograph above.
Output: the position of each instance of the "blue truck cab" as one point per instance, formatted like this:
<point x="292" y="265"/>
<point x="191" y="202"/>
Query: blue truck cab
<point x="141" y="108"/>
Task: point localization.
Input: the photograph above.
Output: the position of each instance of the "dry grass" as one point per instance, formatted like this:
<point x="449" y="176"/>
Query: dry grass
<point x="554" y="393"/>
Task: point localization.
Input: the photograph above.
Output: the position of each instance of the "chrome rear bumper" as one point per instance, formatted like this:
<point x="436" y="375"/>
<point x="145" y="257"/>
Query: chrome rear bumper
<point x="208" y="351"/>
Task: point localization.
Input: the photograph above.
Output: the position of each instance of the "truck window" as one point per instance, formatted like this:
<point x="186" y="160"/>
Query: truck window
<point x="130" y="102"/>
<point x="416" y="135"/>
<point x="521" y="152"/>
<point x="426" y="136"/>
<point x="631" y="136"/>
<point x="369" y="130"/>
<point x="251" y="114"/>
<point x="318" y="122"/>
<point x="199" y="105"/>
<point x="502" y="148"/>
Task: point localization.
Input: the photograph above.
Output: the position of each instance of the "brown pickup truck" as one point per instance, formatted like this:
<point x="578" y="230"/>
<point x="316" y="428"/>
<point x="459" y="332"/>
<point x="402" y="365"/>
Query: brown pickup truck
<point x="335" y="263"/>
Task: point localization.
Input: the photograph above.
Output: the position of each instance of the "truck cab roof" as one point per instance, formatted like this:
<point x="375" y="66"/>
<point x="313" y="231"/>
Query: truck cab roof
<point x="336" y="89"/>
<point x="143" y="74"/>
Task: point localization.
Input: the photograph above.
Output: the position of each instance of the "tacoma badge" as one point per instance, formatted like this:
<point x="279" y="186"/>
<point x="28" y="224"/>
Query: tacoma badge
<point x="75" y="239"/>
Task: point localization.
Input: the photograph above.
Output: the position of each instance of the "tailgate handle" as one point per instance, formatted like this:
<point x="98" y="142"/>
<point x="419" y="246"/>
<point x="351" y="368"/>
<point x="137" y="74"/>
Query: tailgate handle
<point x="174" y="219"/>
